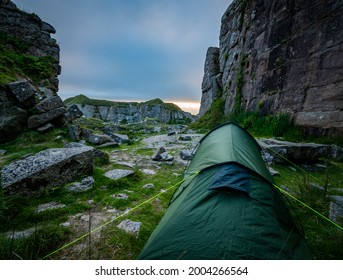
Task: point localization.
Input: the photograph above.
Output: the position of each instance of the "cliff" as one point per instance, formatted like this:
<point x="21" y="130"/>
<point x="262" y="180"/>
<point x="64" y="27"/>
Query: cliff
<point x="30" y="50"/>
<point x="129" y="112"/>
<point x="280" y="56"/>
<point x="29" y="66"/>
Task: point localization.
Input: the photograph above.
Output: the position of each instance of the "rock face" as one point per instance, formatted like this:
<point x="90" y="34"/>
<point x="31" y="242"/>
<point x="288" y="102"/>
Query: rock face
<point x="31" y="101"/>
<point x="20" y="108"/>
<point x="35" y="34"/>
<point x="132" y="114"/>
<point x="46" y="169"/>
<point x="129" y="112"/>
<point x="281" y="151"/>
<point x="74" y="112"/>
<point x="12" y="118"/>
<point x="211" y="83"/>
<point x="41" y="119"/>
<point x="281" y="56"/>
<point x="24" y="94"/>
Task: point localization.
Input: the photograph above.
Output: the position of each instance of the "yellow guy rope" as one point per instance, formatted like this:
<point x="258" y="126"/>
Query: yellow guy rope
<point x="117" y="217"/>
<point x="309" y="207"/>
<point x="296" y="199"/>
<point x="297" y="166"/>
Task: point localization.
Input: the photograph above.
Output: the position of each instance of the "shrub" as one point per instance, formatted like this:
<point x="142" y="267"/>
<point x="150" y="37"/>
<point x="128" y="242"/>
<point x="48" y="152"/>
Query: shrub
<point x="213" y="117"/>
<point x="259" y="125"/>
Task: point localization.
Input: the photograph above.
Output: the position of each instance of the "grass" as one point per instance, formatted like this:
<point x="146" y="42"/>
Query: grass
<point x="84" y="100"/>
<point x="16" y="62"/>
<point x="35" y="246"/>
<point x="254" y="122"/>
<point x="214" y="116"/>
<point x="22" y="145"/>
<point x="263" y="126"/>
<point x="94" y="124"/>
<point x="324" y="239"/>
<point x="19" y="212"/>
<point x="259" y="125"/>
<point x="157" y="101"/>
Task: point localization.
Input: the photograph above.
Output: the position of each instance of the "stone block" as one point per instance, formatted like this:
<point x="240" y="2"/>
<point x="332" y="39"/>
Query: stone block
<point x="46" y="169"/>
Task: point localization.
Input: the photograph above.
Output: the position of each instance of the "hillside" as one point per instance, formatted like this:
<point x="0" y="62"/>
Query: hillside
<point x="129" y="112"/>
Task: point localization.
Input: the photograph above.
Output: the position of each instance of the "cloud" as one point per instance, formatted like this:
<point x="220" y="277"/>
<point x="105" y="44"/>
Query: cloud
<point x="167" y="28"/>
<point x="133" y="49"/>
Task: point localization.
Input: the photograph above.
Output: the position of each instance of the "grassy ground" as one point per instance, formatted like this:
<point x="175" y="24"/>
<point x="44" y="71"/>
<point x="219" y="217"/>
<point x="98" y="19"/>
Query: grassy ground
<point x="313" y="185"/>
<point x="95" y="207"/>
<point x="18" y="213"/>
<point x="258" y="124"/>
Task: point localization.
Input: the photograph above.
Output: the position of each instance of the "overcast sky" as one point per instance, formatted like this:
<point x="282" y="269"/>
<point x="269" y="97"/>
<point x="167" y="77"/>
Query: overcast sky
<point x="133" y="50"/>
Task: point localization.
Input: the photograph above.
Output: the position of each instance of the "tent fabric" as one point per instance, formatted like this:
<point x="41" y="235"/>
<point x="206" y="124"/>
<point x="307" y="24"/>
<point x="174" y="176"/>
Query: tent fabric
<point x="231" y="177"/>
<point x="229" y="143"/>
<point x="229" y="210"/>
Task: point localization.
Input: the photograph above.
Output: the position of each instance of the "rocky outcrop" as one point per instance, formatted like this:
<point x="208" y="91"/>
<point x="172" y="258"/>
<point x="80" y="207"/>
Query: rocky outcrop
<point x="95" y="139"/>
<point x="46" y="169"/>
<point x="31" y="36"/>
<point x="20" y="108"/>
<point x="129" y="112"/>
<point x="23" y="93"/>
<point x="283" y="151"/>
<point x="74" y="112"/>
<point x="211" y="83"/>
<point x="162" y="155"/>
<point x="12" y="118"/>
<point x="33" y="57"/>
<point x="281" y="56"/>
<point x="109" y="138"/>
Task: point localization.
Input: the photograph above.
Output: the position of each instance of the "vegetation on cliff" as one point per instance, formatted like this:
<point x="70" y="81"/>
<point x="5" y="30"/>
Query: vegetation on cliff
<point x="262" y="57"/>
<point x="84" y="100"/>
<point x="258" y="124"/>
<point x="15" y="63"/>
<point x="157" y="101"/>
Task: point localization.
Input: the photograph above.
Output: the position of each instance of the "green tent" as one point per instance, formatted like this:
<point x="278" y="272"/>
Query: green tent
<point x="229" y="210"/>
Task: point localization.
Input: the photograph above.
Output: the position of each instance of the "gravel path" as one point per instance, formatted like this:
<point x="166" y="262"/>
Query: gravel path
<point x="171" y="142"/>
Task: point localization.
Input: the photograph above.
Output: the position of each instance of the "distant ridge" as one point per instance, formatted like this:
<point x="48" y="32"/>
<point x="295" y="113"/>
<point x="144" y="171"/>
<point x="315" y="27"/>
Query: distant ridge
<point x="84" y="100"/>
<point x="129" y="112"/>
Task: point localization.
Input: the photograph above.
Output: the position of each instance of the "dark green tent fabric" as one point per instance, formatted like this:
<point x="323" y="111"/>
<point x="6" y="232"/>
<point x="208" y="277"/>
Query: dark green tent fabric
<point x="229" y="210"/>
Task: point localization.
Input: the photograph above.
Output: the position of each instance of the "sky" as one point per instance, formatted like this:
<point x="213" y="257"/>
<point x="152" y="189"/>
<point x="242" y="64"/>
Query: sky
<point x="132" y="50"/>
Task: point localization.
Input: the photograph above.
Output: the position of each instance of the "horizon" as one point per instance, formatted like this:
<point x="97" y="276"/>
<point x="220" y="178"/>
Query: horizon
<point x="186" y="106"/>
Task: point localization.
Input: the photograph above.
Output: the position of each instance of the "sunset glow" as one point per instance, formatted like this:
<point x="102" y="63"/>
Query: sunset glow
<point x="191" y="107"/>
